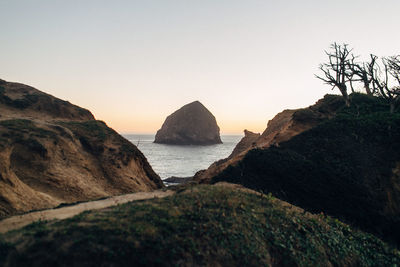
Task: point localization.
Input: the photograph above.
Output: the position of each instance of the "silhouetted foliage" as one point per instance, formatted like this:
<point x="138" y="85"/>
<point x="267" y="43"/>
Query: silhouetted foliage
<point x="380" y="78"/>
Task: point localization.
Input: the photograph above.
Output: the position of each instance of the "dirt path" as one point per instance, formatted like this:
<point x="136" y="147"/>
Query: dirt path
<point x="20" y="221"/>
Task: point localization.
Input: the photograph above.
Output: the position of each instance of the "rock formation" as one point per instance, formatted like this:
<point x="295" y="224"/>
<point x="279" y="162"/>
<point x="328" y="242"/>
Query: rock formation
<point x="53" y="152"/>
<point x="192" y="124"/>
<point x="248" y="141"/>
<point x="282" y="127"/>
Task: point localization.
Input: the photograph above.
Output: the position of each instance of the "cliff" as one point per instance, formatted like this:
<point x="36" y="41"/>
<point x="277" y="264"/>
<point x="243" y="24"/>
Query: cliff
<point x="249" y="140"/>
<point x="346" y="167"/>
<point x="192" y="124"/>
<point x="53" y="152"/>
<point x="282" y="127"/>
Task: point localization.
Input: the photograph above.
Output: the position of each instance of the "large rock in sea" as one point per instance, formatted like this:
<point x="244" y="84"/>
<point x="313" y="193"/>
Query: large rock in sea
<point x="192" y="124"/>
<point x="54" y="152"/>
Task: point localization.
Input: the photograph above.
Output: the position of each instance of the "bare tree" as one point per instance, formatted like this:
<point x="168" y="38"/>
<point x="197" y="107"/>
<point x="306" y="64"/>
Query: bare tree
<point x="386" y="81"/>
<point x="393" y="64"/>
<point x="363" y="72"/>
<point x="394" y="68"/>
<point x="337" y="72"/>
<point x="378" y="78"/>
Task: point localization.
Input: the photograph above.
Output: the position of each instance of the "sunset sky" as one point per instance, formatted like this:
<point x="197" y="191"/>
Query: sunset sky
<point x="132" y="63"/>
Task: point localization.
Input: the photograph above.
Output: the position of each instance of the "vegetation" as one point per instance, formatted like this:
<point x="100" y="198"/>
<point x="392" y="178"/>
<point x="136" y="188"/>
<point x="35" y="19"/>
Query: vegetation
<point x="21" y="103"/>
<point x="92" y="128"/>
<point x="92" y="135"/>
<point x="30" y="98"/>
<point x="336" y="71"/>
<point x="321" y="111"/>
<point x="379" y="78"/>
<point x="343" y="167"/>
<point x="24" y="132"/>
<point x="204" y="225"/>
<point x="24" y="126"/>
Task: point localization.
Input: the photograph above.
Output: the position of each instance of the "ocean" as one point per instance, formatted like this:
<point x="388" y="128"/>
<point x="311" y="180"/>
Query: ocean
<point x="181" y="161"/>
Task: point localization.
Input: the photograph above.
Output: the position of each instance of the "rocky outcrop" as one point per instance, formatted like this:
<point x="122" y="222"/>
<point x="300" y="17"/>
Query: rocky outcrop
<point x="249" y="140"/>
<point x="53" y="152"/>
<point x="282" y="127"/>
<point x="178" y="180"/>
<point x="192" y="124"/>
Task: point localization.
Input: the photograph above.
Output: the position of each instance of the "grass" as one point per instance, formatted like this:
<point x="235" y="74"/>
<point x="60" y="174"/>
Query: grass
<point x="92" y="128"/>
<point x="22" y="103"/>
<point x="23" y="126"/>
<point x="91" y="134"/>
<point x="204" y="225"/>
<point x="24" y="132"/>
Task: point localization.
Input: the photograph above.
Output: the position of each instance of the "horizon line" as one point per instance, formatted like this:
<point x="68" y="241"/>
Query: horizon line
<point x="153" y="133"/>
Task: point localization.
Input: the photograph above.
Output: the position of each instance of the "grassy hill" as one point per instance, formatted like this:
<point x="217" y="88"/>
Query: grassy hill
<point x="347" y="167"/>
<point x="202" y="225"/>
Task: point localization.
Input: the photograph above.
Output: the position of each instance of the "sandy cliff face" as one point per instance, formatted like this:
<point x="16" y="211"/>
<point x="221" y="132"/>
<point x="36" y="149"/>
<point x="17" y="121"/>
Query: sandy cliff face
<point x="282" y="127"/>
<point x="53" y="152"/>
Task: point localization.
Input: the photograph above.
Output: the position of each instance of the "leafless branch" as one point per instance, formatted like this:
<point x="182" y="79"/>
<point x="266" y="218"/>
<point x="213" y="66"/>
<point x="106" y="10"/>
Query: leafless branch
<point x="336" y="72"/>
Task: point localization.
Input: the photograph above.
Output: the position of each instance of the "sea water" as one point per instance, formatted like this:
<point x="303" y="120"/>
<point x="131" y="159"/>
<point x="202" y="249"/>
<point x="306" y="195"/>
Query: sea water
<point x="181" y="161"/>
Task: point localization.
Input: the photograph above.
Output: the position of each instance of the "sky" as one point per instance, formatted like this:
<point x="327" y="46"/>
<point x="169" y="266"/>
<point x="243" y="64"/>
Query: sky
<point x="132" y="63"/>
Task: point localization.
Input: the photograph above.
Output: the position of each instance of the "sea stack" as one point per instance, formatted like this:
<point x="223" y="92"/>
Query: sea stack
<point x="192" y="124"/>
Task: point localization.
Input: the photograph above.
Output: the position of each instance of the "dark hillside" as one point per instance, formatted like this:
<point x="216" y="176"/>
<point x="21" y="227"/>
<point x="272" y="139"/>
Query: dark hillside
<point x="347" y="167"/>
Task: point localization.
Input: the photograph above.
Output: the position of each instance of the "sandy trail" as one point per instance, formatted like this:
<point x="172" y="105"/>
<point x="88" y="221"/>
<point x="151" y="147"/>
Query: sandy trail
<point x="20" y="221"/>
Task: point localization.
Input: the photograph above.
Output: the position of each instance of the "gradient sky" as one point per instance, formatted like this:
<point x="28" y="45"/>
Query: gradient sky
<point x="132" y="63"/>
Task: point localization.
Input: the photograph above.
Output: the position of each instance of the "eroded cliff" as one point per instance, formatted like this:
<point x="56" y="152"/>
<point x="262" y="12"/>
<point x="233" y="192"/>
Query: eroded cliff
<point x="282" y="127"/>
<point x="53" y="152"/>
